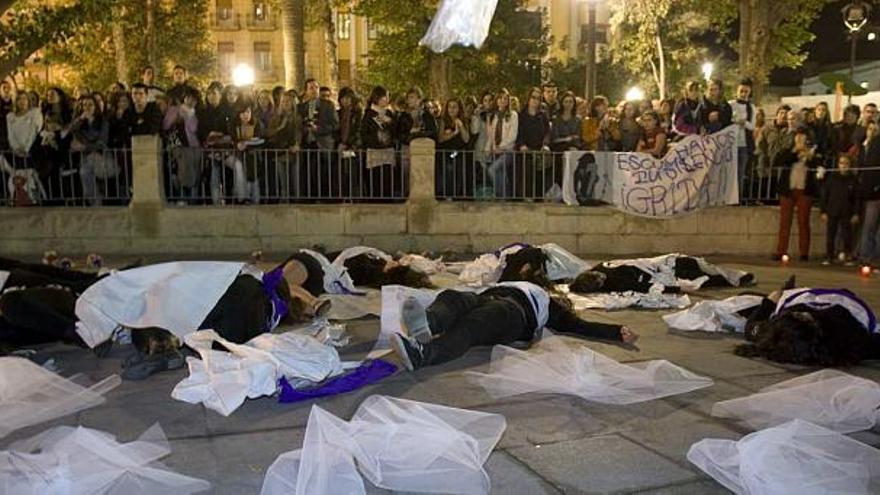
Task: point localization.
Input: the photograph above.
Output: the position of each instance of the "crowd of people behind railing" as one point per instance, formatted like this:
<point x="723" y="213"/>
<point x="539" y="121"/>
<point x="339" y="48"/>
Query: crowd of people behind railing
<point x="241" y="146"/>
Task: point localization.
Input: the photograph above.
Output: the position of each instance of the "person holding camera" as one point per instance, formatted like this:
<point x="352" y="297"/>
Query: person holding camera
<point x="797" y="188"/>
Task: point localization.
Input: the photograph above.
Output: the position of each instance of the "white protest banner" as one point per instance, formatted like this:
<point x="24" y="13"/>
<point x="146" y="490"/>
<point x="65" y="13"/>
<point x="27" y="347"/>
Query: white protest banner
<point x="697" y="172"/>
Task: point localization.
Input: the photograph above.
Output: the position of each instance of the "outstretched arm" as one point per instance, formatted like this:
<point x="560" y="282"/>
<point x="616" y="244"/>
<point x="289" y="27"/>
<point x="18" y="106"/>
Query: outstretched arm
<point x="565" y="320"/>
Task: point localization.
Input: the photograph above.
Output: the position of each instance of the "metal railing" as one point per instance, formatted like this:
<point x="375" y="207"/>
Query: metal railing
<point x="196" y="176"/>
<point x="510" y="176"/>
<point x="75" y="178"/>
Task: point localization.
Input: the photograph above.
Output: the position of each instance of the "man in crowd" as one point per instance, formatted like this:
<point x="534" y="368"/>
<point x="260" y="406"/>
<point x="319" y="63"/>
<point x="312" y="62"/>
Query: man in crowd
<point x="148" y="77"/>
<point x="146" y="117"/>
<point x="869" y="114"/>
<point x="744" y="117"/>
<point x="181" y="86"/>
<point x="550" y="102"/>
<point x="7" y="104"/>
<point x="319" y="119"/>
<point x="847" y="136"/>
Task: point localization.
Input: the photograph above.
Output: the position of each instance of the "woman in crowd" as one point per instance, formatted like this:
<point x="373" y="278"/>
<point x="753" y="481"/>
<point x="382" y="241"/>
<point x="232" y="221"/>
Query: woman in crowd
<point x="449" y="174"/>
<point x="630" y="129"/>
<point x="265" y="108"/>
<point x="181" y="126"/>
<point x="120" y="116"/>
<point x="822" y="129"/>
<point x="23" y="126"/>
<point x="505" y="314"/>
<point x="590" y="132"/>
<point x="246" y="132"/>
<point x="90" y="130"/>
<point x="383" y="176"/>
<point x="53" y="144"/>
<point x="350" y="117"/>
<point x="532" y="136"/>
<point x="686" y="117"/>
<point x="869" y="195"/>
<point x="653" y="139"/>
<point x="502" y="130"/>
<point x="715" y="112"/>
<point x="566" y="130"/>
<point x="283" y="137"/>
<point x="797" y="188"/>
<point x="665" y="114"/>
<point x="480" y="128"/>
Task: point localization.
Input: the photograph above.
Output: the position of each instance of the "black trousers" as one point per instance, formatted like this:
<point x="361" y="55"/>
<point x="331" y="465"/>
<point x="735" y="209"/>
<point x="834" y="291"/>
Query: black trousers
<point x="242" y="313"/>
<point x="37" y="316"/>
<point x="688" y="268"/>
<point x="838" y="223"/>
<point x="29" y="275"/>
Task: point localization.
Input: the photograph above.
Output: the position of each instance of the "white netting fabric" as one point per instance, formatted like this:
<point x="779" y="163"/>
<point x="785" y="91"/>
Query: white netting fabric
<point x="30" y="394"/>
<point x="396" y="444"/>
<point x="714" y="316"/>
<point x="796" y="458"/>
<point x="82" y="461"/>
<point x="460" y="22"/>
<point x="563" y="366"/>
<point x="828" y="398"/>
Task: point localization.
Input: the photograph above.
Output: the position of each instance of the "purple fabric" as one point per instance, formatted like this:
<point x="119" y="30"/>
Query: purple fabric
<point x="872" y="318"/>
<point x="365" y="374"/>
<point x="279" y="306"/>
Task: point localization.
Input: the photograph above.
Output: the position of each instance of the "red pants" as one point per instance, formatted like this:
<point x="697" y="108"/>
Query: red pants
<point x="787" y="204"/>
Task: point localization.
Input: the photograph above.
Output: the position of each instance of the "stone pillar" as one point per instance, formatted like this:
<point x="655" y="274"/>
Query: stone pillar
<point x="421" y="170"/>
<point x="148" y="198"/>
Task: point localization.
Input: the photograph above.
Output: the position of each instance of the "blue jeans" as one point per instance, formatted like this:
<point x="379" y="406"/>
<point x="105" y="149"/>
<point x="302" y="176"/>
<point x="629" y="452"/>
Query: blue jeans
<point x="868" y="241"/>
<point x="501" y="171"/>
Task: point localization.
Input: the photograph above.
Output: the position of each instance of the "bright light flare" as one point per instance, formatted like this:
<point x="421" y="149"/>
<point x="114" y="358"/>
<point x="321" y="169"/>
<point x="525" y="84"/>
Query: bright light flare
<point x="243" y="75"/>
<point x="707" y="69"/>
<point x="635" y="94"/>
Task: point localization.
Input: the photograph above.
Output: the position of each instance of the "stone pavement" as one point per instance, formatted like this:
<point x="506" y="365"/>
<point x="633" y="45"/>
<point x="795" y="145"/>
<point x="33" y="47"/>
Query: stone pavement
<point x="553" y="443"/>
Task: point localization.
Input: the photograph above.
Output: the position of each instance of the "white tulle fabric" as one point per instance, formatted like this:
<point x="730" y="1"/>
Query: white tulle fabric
<point x="81" y="461"/>
<point x="460" y="22"/>
<point x="30" y="394"/>
<point x="396" y="444"/>
<point x="653" y="299"/>
<point x="796" y="458"/>
<point x="563" y="366"/>
<point x="713" y="316"/>
<point x="829" y="398"/>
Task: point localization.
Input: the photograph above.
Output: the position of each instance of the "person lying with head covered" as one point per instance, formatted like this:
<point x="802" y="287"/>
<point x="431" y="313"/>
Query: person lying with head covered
<point x="507" y="313"/>
<point x="541" y="265"/>
<point x="674" y="272"/>
<point x="812" y="326"/>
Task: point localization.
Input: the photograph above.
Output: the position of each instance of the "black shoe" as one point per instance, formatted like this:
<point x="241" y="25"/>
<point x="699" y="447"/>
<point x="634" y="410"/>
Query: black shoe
<point x="789" y="284"/>
<point x="805" y="258"/>
<point x="747" y="280"/>
<point x="410" y="351"/>
<point x="139" y="367"/>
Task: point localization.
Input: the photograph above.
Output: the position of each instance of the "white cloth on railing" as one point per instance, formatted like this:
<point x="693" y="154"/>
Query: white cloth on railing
<point x="397" y="444"/>
<point x="714" y="316"/>
<point x="459" y="22"/>
<point x="562" y="365"/>
<point x="31" y="394"/>
<point x="173" y="296"/>
<point x="829" y="398"/>
<point x="82" y="461"/>
<point x="795" y="458"/>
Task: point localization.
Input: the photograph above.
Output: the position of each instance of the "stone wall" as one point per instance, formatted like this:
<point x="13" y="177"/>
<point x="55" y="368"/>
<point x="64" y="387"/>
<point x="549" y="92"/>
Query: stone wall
<point x="149" y="227"/>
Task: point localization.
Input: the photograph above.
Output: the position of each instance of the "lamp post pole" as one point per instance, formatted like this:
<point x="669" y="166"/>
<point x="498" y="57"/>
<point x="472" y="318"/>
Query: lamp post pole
<point x="590" y="90"/>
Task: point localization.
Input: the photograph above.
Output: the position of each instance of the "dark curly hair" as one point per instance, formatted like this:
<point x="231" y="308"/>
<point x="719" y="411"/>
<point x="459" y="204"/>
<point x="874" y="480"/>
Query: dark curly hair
<point x="529" y="264"/>
<point x="369" y="271"/>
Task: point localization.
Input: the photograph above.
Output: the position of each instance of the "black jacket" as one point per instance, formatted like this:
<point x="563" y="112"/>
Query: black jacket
<point x="784" y="161"/>
<point x="839" y="195"/>
<point x="375" y="135"/>
<point x="147" y="123"/>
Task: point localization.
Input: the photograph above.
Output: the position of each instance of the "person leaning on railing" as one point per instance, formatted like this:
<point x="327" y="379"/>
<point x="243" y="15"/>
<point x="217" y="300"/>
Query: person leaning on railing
<point x="533" y="135"/>
<point x="283" y="137"/>
<point x="350" y="117"/>
<point x="502" y="132"/>
<point x="378" y="138"/>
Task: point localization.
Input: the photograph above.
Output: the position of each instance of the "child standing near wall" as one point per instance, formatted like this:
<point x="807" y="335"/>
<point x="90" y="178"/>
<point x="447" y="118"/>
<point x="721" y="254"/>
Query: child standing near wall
<point x="839" y="208"/>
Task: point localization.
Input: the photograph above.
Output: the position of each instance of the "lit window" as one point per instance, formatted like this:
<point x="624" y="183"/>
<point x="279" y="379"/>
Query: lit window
<point x="373" y="30"/>
<point x="224" y="10"/>
<point x="225" y="57"/>
<point x="343" y="25"/>
<point x="263" y="56"/>
<point x="261" y="11"/>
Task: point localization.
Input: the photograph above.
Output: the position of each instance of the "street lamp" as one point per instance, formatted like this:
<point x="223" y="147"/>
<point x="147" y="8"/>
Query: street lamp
<point x="590" y="80"/>
<point x="243" y="75"/>
<point x="635" y="93"/>
<point x="855" y="16"/>
<point x="707" y="68"/>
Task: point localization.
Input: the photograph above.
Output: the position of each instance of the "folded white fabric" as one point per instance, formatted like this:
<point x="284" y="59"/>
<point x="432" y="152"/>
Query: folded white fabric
<point x="223" y="380"/>
<point x="30" y="394"/>
<point x="714" y="316"/>
<point x="460" y="22"/>
<point x="796" y="458"/>
<point x="829" y="398"/>
<point x="655" y="299"/>
<point x="564" y="366"/>
<point x="81" y="461"/>
<point x="396" y="444"/>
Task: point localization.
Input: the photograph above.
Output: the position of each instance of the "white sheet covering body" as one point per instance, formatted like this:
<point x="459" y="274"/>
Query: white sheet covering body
<point x="662" y="269"/>
<point x="336" y="279"/>
<point x="396" y="444"/>
<point x="654" y="299"/>
<point x="30" y="394"/>
<point x="487" y="269"/>
<point x="795" y="458"/>
<point x="828" y="398"/>
<point x="565" y="366"/>
<point x="174" y="296"/>
<point x="82" y="461"/>
<point x="714" y="316"/>
<point x="223" y="380"/>
<point x="459" y="22"/>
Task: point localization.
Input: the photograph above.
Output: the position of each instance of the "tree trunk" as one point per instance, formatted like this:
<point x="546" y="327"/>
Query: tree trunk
<point x="119" y="45"/>
<point x="438" y="75"/>
<point x="150" y="8"/>
<point x="756" y="27"/>
<point x="661" y="56"/>
<point x="329" y="22"/>
<point x="293" y="28"/>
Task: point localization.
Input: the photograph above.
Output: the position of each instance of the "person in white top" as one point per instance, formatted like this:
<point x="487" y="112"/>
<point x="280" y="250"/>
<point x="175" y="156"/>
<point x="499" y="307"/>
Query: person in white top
<point x="501" y="139"/>
<point x="23" y="126"/>
<point x="744" y="117"/>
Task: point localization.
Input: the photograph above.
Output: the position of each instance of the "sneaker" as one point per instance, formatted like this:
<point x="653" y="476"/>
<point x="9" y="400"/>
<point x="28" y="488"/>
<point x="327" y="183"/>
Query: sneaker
<point x="410" y="352"/>
<point x="414" y="319"/>
<point x="826" y="262"/>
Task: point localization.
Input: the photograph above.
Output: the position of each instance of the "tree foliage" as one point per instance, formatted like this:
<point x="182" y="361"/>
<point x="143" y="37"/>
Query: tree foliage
<point x="510" y="57"/>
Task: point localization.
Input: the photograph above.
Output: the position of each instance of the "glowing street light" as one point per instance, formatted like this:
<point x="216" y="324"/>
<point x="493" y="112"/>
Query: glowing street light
<point x="707" y="69"/>
<point x="635" y="94"/>
<point x="872" y="36"/>
<point x="243" y="75"/>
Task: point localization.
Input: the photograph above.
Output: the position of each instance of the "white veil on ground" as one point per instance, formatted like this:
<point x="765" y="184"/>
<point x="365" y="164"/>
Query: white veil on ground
<point x="30" y="394"/>
<point x="460" y="22"/>
<point x="828" y="398"/>
<point x="82" y="461"/>
<point x="796" y="458"/>
<point x="565" y="366"/>
<point x="397" y="444"/>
